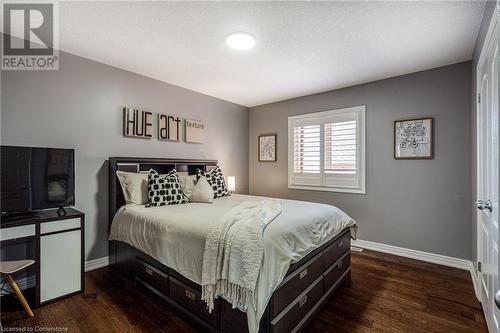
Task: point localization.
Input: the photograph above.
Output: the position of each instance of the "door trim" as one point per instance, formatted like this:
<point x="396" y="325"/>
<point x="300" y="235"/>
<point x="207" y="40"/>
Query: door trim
<point x="479" y="81"/>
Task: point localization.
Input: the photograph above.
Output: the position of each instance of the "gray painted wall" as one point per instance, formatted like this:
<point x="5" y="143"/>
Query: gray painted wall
<point x="79" y="107"/>
<point x="489" y="9"/>
<point x="422" y="205"/>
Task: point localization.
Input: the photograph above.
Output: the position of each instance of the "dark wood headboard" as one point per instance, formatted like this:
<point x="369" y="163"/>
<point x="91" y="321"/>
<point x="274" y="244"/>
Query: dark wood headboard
<point x="137" y="164"/>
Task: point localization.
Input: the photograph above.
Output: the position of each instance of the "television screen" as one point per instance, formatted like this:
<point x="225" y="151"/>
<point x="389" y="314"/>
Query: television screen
<point x="36" y="178"/>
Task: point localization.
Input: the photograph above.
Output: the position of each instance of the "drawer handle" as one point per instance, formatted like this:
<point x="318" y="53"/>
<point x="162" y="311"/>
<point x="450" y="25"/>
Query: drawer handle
<point x="340" y="264"/>
<point x="303" y="274"/>
<point x="190" y="295"/>
<point x="303" y="301"/>
<point x="149" y="271"/>
<point x="340" y="244"/>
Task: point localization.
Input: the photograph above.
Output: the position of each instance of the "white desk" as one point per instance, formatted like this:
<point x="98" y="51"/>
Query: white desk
<point x="59" y="251"/>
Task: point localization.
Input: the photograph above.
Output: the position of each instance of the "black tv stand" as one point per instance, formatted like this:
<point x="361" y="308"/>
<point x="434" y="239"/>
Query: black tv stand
<point x="61" y="211"/>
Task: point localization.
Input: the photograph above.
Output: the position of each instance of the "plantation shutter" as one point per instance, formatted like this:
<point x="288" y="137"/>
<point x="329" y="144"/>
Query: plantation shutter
<point x="342" y="150"/>
<point x="340" y="147"/>
<point x="326" y="150"/>
<point x="306" y="149"/>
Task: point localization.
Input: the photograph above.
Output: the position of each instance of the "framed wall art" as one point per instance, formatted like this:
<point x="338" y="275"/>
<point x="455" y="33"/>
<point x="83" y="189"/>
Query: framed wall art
<point x="194" y="130"/>
<point x="267" y="147"/>
<point x="414" y="139"/>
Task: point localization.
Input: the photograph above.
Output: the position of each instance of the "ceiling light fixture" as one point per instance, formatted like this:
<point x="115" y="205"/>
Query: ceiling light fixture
<point x="240" y="41"/>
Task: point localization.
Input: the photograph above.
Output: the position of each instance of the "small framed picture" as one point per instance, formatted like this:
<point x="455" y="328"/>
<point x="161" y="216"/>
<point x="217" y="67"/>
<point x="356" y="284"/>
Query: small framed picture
<point x="414" y="139"/>
<point x="267" y="147"/>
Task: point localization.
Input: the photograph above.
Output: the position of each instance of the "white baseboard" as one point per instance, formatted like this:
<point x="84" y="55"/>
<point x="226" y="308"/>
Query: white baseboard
<point x="414" y="254"/>
<point x="96" y="263"/>
<point x="423" y="256"/>
<point x="379" y="247"/>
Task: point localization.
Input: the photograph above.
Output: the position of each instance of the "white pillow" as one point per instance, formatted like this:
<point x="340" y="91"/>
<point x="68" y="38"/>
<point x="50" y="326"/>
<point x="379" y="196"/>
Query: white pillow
<point x="202" y="192"/>
<point x="134" y="187"/>
<point x="187" y="184"/>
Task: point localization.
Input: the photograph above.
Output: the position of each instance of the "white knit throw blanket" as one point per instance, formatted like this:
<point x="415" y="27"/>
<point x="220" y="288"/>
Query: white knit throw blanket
<point x="233" y="254"/>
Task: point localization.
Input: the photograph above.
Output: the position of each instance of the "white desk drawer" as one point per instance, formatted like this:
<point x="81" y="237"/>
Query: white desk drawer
<point x="60" y="225"/>
<point x="17" y="232"/>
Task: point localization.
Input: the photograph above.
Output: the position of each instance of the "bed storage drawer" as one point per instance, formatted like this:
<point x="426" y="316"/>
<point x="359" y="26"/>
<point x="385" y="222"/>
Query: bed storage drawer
<point x="294" y="284"/>
<point x="190" y="299"/>
<point x="336" y="250"/>
<point x="152" y="276"/>
<point x="291" y="316"/>
<point x="335" y="271"/>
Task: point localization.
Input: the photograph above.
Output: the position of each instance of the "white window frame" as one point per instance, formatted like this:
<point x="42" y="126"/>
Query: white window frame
<point x="328" y="183"/>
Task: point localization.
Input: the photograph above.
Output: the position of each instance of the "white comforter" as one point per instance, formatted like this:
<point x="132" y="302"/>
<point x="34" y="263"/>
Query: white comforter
<point x="175" y="236"/>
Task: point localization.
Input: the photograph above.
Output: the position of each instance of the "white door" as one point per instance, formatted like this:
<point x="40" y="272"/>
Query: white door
<point x="487" y="177"/>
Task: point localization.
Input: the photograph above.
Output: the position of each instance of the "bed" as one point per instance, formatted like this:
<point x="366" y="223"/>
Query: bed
<point x="305" y="261"/>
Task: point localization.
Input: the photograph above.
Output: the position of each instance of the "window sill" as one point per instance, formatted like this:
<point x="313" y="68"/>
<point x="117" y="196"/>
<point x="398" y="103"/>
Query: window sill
<point x="328" y="189"/>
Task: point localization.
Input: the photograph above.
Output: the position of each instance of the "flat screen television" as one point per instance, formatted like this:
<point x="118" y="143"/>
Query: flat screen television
<point x="35" y="178"/>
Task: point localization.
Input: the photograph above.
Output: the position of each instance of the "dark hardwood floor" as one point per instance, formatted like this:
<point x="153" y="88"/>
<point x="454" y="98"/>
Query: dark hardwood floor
<point x="387" y="294"/>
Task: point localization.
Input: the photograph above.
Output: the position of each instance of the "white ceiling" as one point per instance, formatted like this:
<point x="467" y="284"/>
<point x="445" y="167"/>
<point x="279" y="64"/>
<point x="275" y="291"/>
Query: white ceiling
<point x="302" y="47"/>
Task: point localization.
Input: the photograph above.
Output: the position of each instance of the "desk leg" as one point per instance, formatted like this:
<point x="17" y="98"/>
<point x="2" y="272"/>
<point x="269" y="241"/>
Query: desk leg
<point x="19" y="295"/>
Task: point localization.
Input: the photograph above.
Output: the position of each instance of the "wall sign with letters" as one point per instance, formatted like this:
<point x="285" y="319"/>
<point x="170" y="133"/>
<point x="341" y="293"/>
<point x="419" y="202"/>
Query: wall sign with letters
<point x="169" y="127"/>
<point x="194" y="130"/>
<point x="139" y="124"/>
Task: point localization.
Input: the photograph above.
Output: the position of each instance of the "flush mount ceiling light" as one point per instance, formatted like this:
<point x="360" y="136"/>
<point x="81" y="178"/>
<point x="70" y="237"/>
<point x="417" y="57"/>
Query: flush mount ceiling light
<point x="240" y="41"/>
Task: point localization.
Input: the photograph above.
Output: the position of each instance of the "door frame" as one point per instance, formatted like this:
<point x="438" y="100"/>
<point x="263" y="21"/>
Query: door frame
<point x="479" y="241"/>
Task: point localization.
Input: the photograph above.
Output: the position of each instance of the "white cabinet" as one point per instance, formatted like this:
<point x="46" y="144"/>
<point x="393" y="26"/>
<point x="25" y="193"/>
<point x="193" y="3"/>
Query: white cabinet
<point x="60" y="269"/>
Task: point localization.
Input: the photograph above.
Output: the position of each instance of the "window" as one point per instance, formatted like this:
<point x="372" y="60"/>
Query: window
<point x="326" y="150"/>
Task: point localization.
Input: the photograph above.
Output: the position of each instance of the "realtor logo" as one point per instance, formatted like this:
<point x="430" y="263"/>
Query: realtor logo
<point x="30" y="39"/>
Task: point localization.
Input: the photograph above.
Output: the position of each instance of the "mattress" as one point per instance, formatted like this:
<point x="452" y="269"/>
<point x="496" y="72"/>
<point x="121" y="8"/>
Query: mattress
<point x="175" y="236"/>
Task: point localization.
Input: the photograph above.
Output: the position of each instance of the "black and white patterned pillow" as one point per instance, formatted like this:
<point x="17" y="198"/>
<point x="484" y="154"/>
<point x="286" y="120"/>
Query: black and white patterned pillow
<point x="164" y="189"/>
<point x="216" y="179"/>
